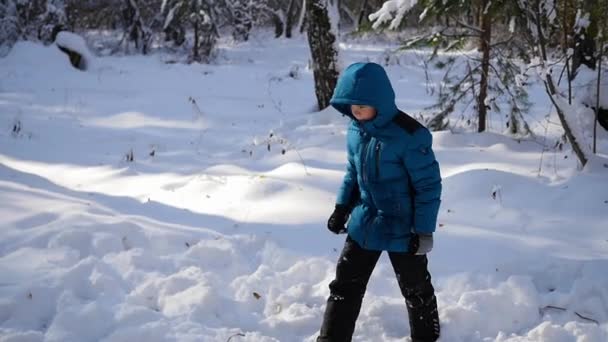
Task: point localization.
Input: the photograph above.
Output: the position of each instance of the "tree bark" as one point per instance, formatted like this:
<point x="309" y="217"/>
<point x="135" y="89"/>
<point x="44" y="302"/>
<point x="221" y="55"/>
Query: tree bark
<point x="195" y="53"/>
<point x="137" y="31"/>
<point x="597" y="103"/>
<point x="304" y="16"/>
<point x="362" y="13"/>
<point x="601" y="33"/>
<point x="484" y="42"/>
<point x="290" y="18"/>
<point x="567" y="9"/>
<point x="277" y="21"/>
<point x="321" y="40"/>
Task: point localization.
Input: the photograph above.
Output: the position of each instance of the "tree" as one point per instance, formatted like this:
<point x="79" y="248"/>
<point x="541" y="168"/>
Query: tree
<point x="52" y="21"/>
<point x="31" y="19"/>
<point x="242" y="19"/>
<point x="487" y="79"/>
<point x="136" y="30"/>
<point x="98" y="14"/>
<point x="201" y="16"/>
<point x="290" y="17"/>
<point x="205" y="31"/>
<point x="247" y="14"/>
<point x="485" y="39"/>
<point x="9" y="25"/>
<point x="322" y="42"/>
<point x="362" y="13"/>
<point x="537" y="16"/>
<point x="171" y="14"/>
<point x="582" y="30"/>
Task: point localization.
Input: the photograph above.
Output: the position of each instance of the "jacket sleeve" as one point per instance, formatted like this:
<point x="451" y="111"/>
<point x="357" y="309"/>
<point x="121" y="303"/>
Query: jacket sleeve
<point x="425" y="181"/>
<point x="348" y="194"/>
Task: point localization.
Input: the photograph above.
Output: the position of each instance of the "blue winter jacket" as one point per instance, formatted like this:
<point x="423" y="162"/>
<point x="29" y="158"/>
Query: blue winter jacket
<point x="392" y="182"/>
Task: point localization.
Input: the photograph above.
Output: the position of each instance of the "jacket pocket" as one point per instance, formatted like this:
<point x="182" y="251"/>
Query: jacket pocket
<point x="387" y="228"/>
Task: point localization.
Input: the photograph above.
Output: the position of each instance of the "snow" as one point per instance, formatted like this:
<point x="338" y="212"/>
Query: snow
<point x="169" y="17"/>
<point x="550" y="8"/>
<point x="580" y="113"/>
<point x="512" y="23"/>
<point x="393" y="11"/>
<point x="423" y="15"/>
<point x="582" y="20"/>
<point x="74" y="42"/>
<point x="213" y="232"/>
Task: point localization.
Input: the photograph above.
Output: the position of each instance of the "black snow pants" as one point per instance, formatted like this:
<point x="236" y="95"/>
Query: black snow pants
<point x="353" y="271"/>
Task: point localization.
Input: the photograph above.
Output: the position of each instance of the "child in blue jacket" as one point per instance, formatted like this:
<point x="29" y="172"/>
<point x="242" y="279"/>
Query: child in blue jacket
<point x="390" y="197"/>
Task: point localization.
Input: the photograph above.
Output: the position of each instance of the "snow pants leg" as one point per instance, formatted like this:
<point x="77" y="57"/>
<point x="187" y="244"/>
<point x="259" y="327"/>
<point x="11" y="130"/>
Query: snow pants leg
<point x="353" y="271"/>
<point x="415" y="284"/>
<point x="354" y="268"/>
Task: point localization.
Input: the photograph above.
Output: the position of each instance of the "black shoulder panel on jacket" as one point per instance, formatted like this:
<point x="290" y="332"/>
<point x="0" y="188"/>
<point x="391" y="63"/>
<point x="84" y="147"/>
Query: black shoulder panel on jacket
<point x="408" y="123"/>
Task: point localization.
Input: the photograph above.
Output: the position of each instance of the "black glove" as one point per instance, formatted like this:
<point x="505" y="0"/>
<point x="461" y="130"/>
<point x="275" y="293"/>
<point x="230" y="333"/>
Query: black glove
<point x="338" y="219"/>
<point x="420" y="244"/>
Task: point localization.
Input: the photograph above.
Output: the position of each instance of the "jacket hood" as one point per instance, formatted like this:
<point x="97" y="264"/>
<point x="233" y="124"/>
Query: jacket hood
<point x="366" y="84"/>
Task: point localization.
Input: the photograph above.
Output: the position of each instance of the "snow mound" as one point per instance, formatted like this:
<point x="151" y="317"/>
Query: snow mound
<point x="72" y="42"/>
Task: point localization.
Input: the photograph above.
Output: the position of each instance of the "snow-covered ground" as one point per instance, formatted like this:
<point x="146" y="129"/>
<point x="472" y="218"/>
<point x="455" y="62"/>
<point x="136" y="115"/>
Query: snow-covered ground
<point x="216" y="230"/>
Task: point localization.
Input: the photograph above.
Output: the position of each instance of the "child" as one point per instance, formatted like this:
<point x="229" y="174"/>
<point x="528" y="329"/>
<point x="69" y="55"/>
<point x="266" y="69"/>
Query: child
<point x="391" y="191"/>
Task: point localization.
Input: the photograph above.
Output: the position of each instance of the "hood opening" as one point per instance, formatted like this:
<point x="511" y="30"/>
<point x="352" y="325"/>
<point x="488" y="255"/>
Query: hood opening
<point x="365" y="84"/>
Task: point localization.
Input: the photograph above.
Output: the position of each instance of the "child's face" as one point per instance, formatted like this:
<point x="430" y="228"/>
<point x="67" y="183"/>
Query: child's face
<point x="362" y="112"/>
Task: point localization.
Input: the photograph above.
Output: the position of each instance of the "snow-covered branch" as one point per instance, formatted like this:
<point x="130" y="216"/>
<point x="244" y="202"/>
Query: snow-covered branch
<point x="398" y="8"/>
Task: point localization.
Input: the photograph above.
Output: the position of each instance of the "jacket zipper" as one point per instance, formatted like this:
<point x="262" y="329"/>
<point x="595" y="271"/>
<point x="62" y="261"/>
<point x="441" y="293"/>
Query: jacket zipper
<point x="364" y="175"/>
<point x="378" y="161"/>
<point x="364" y="161"/>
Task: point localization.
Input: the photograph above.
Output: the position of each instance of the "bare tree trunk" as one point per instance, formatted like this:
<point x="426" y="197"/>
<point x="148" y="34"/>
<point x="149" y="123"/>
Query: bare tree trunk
<point x="279" y="26"/>
<point x="362" y="13"/>
<point x="597" y="103"/>
<point x="336" y="4"/>
<point x="567" y="30"/>
<point x="602" y="40"/>
<point x="484" y="42"/>
<point x="321" y="40"/>
<point x="136" y="29"/>
<point x="303" y="16"/>
<point x="195" y="53"/>
<point x="289" y="18"/>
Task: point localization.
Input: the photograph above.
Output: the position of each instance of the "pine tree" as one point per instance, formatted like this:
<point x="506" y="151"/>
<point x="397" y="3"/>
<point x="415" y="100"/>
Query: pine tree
<point x="488" y="79"/>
